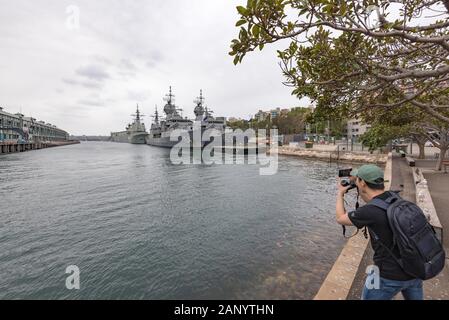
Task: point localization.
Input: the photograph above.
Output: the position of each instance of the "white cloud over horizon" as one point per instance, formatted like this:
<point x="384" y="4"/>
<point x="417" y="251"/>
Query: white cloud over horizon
<point x="88" y="81"/>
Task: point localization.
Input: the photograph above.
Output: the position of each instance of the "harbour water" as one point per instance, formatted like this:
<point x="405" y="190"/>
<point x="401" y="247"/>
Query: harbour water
<point x="139" y="227"/>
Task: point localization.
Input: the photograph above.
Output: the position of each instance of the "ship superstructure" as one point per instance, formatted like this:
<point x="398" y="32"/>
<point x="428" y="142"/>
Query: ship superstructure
<point x="135" y="132"/>
<point x="162" y="129"/>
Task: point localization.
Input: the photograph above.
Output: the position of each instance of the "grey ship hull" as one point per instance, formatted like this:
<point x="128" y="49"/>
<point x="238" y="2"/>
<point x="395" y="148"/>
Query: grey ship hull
<point x="138" y="138"/>
<point x="134" y="138"/>
<point x="163" y="142"/>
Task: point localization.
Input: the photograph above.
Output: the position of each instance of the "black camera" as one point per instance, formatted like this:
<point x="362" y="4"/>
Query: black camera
<point x="345" y="174"/>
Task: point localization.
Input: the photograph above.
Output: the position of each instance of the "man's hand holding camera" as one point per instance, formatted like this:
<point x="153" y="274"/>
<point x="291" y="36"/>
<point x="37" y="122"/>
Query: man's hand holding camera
<point x="343" y="187"/>
<point x="346" y="182"/>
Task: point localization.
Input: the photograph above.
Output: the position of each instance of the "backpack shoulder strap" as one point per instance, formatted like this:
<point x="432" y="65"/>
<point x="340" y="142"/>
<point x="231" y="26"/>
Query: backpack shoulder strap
<point x="385" y="204"/>
<point x="382" y="204"/>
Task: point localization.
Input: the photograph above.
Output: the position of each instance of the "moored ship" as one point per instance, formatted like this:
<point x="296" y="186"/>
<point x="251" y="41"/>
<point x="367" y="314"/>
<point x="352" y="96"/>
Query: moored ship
<point x="161" y="131"/>
<point x="135" y="132"/>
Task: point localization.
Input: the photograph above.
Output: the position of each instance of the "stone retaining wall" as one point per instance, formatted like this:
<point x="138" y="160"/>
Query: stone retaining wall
<point x="334" y="155"/>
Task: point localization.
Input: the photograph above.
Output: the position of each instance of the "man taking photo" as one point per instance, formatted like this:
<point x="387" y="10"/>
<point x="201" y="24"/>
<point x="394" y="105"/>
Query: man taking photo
<point x="370" y="182"/>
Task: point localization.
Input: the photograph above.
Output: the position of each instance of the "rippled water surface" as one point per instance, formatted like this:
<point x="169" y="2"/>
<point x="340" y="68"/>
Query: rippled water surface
<point x="139" y="227"/>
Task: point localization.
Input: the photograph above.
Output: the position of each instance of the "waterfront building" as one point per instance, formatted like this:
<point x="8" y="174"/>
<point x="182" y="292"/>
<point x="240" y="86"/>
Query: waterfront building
<point x="18" y="128"/>
<point x="356" y="128"/>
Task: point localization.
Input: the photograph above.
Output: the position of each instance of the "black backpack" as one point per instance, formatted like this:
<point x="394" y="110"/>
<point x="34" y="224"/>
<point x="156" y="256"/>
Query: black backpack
<point x="421" y="254"/>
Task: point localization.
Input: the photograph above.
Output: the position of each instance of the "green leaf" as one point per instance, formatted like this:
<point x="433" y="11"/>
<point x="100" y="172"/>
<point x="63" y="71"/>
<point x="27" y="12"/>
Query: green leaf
<point x="242" y="10"/>
<point x="343" y="8"/>
<point x="261" y="46"/>
<point x="240" y="22"/>
<point x="328" y="8"/>
<point x="236" y="59"/>
<point x="256" y="31"/>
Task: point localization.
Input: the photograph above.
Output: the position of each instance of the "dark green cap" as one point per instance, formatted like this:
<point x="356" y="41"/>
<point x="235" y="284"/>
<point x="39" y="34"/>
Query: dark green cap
<point x="369" y="173"/>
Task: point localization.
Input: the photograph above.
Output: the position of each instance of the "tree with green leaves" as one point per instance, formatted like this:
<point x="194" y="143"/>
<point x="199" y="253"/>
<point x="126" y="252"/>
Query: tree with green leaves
<point x="406" y="122"/>
<point x="355" y="55"/>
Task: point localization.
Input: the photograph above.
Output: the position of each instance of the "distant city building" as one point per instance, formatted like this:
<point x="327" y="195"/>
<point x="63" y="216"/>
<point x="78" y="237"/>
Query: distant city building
<point x="275" y="113"/>
<point x="233" y="119"/>
<point x="261" y="116"/>
<point x="356" y="128"/>
<point x="272" y="114"/>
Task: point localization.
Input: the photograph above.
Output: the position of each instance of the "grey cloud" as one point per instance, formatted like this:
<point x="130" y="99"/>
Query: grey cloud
<point x="128" y="65"/>
<point x="93" y="72"/>
<point x="86" y="84"/>
<point x="138" y="95"/>
<point x="91" y="103"/>
<point x="127" y="69"/>
<point x="101" y="59"/>
<point x="154" y="58"/>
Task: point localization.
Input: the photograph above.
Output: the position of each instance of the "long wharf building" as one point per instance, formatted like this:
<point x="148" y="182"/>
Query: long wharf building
<point x="18" y="128"/>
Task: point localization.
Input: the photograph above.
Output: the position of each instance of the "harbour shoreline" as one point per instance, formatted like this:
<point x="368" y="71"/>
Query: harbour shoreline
<point x="8" y="148"/>
<point x="333" y="156"/>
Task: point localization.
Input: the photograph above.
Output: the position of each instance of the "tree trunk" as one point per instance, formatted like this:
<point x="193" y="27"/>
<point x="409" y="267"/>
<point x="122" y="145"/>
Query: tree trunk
<point x="422" y="150"/>
<point x="421" y="142"/>
<point x="441" y="158"/>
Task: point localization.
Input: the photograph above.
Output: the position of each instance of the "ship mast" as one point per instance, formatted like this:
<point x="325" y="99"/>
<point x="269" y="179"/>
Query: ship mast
<point x="169" y="97"/>
<point x="201" y="98"/>
<point x="199" y="109"/>
<point x="138" y="113"/>
<point x="156" y="116"/>
<point x="137" y="116"/>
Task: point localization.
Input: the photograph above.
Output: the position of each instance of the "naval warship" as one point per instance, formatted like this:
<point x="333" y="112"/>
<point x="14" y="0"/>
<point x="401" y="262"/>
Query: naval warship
<point x="203" y="116"/>
<point x="135" y="132"/>
<point x="161" y="130"/>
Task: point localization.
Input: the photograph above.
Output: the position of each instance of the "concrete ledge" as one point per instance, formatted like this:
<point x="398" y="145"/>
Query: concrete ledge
<point x="425" y="202"/>
<point x="329" y="155"/>
<point x="339" y="281"/>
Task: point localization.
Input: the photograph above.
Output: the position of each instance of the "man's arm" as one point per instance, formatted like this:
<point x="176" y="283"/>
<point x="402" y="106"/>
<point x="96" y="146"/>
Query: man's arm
<point x="342" y="216"/>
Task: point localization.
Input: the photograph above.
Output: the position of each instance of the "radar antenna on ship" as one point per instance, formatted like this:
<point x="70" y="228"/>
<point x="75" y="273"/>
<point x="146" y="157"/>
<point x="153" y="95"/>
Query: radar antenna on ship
<point x="170" y="97"/>
<point x="200" y="100"/>
<point x="199" y="109"/>
<point x="156" y="116"/>
<point x="138" y="115"/>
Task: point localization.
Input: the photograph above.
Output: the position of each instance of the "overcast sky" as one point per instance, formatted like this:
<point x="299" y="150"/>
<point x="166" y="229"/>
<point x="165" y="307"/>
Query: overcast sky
<point x="89" y="80"/>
